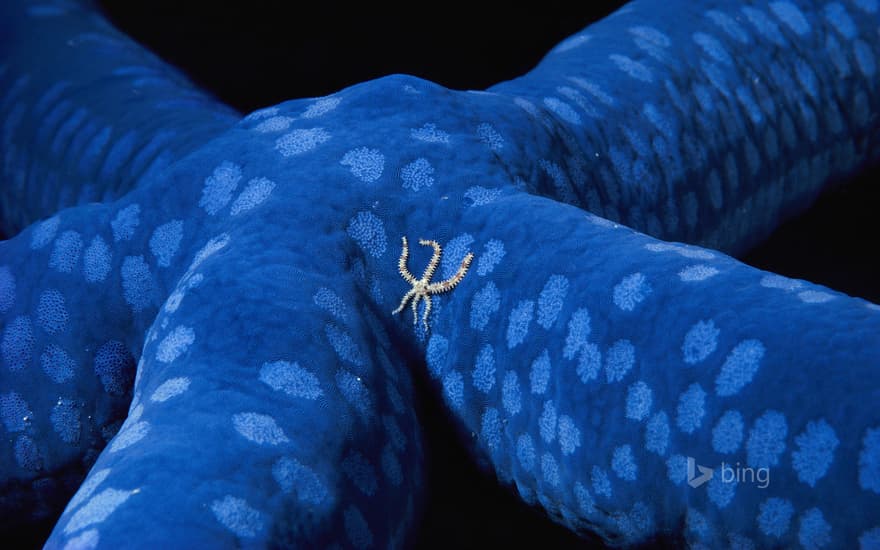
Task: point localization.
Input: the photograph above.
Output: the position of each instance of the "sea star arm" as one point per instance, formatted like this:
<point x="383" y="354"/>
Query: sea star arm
<point x="98" y="112"/>
<point x="707" y="122"/>
<point x="273" y="442"/>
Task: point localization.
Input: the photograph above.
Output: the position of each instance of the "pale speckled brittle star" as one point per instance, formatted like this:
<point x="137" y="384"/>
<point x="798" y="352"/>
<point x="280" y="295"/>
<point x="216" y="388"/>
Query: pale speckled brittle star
<point x="423" y="288"/>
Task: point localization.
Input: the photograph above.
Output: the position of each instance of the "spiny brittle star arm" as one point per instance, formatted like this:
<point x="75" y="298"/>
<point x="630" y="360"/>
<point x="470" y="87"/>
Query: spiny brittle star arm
<point x="401" y="264"/>
<point x="452" y="282"/>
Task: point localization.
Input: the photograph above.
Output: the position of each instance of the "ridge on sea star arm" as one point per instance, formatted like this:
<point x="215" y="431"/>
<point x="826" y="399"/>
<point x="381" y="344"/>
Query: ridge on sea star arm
<point x="273" y="401"/>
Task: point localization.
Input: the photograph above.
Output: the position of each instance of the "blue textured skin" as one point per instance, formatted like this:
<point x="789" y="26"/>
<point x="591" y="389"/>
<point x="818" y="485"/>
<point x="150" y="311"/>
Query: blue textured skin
<point x="228" y="299"/>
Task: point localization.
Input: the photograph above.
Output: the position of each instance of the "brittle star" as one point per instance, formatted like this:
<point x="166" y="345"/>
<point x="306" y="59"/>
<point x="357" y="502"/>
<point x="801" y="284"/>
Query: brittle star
<point x="423" y="288"/>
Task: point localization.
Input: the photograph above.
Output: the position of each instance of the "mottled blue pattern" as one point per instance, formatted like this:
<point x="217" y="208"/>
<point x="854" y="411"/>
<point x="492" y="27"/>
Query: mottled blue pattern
<point x="195" y="307"/>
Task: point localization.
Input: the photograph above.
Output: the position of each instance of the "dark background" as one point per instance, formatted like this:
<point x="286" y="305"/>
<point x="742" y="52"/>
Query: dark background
<point x="254" y="54"/>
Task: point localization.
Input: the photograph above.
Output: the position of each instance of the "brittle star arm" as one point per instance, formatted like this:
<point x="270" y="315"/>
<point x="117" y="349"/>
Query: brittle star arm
<point x="452" y="282"/>
<point x="402" y="264"/>
<point x="434" y="261"/>
<point x="406" y="297"/>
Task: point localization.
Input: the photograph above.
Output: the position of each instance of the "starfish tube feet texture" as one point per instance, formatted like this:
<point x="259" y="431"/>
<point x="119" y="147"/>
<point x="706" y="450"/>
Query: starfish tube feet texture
<point x="208" y="357"/>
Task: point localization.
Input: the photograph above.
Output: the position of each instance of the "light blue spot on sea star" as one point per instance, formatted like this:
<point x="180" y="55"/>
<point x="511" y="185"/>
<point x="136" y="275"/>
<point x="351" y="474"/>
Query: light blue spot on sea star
<point x="525" y="452"/>
<point x="600" y="481"/>
<point x="484" y="371"/>
<point x="51" y="312"/>
<point x="480" y="196"/>
<point x="766" y="440"/>
<point x="815" y="451"/>
<point x="490" y="428"/>
<point x="125" y="222"/>
<point x="329" y="301"/>
<point x="344" y="345"/>
<point x="301" y="141"/>
<point x="569" y="435"/>
<point x="357" y="529"/>
<point x="712" y="47"/>
<point x="589" y="363"/>
<point x="633" y="68"/>
<point x="814" y="531"/>
<point x="493" y="253"/>
<point x="551" y="300"/>
<point x="14" y="412"/>
<point x="294" y="477"/>
<point x="870" y="539"/>
<point x="429" y="134"/>
<point x="869" y="461"/>
<point x="57" y="364"/>
<point x="698" y="272"/>
<point x="486" y="302"/>
<point x="700" y="341"/>
<point x="631" y="291"/>
<point x="511" y="395"/>
<point x="417" y="175"/>
<point x="18" y="343"/>
<point x="369" y="232"/>
<point x="518" y="324"/>
<point x="728" y="432"/>
<point x="562" y="109"/>
<point x="254" y="194"/>
<point x="321" y="107"/>
<point x="292" y="379"/>
<point x="721" y="491"/>
<point x="789" y="14"/>
<point x="453" y="389"/>
<point x="175" y="344"/>
<point x="97" y="509"/>
<point x="657" y="433"/>
<point x="550" y="469"/>
<point x="273" y="124"/>
<point x="96" y="261"/>
<point x="138" y="287"/>
<point x="365" y="164"/>
<point x="170" y="388"/>
<point x="488" y="135"/>
<point x="166" y="241"/>
<point x="44" y="232"/>
<point x="238" y="516"/>
<point x="438" y="347"/>
<point x="584" y="499"/>
<point x="539" y="375"/>
<point x="739" y="368"/>
<point x="624" y="464"/>
<point x="66" y="252"/>
<point x="361" y="472"/>
<point x="691" y="408"/>
<point x="619" y="360"/>
<point x="578" y="333"/>
<point x="638" y="401"/>
<point x="547" y="422"/>
<point x="65" y="420"/>
<point x="219" y="186"/>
